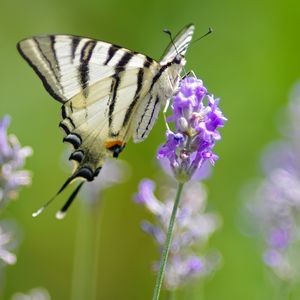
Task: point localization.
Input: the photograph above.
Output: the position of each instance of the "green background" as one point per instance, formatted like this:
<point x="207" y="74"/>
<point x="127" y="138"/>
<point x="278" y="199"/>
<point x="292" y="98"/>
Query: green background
<point x="251" y="62"/>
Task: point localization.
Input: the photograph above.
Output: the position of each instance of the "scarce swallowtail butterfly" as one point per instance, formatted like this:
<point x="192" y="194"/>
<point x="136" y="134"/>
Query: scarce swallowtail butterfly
<point x="108" y="94"/>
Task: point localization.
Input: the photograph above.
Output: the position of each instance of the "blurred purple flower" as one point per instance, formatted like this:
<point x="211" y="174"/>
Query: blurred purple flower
<point x="193" y="228"/>
<point x="279" y="238"/>
<point x="6" y="244"/>
<point x="34" y="294"/>
<point x="275" y="204"/>
<point x="196" y="125"/>
<point x="12" y="160"/>
<point x="113" y="172"/>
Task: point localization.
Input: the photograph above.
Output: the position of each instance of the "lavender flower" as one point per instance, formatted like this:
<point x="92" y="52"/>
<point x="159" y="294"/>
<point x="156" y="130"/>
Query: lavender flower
<point x="12" y="160"/>
<point x="6" y="244"/>
<point x="193" y="229"/>
<point x="275" y="206"/>
<point x="34" y="294"/>
<point x="196" y="126"/>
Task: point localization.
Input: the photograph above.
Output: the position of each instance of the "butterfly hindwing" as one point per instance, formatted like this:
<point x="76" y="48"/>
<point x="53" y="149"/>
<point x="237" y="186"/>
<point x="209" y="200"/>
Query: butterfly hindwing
<point x="100" y="125"/>
<point x="146" y="116"/>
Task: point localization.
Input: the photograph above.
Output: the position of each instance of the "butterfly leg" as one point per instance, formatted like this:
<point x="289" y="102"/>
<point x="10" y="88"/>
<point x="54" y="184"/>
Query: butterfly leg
<point x="189" y="73"/>
<point x="193" y="74"/>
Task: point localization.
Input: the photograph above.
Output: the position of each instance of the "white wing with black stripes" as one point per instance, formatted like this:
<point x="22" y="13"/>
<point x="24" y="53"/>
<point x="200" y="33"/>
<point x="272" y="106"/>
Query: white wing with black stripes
<point x="109" y="93"/>
<point x="69" y="64"/>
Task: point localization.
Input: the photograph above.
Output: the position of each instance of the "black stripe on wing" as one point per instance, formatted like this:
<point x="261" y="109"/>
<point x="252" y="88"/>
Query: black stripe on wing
<point x="77" y="156"/>
<point x="52" y="43"/>
<point x="74" y="139"/>
<point x="132" y="105"/>
<point x="141" y="120"/>
<point x="140" y="77"/>
<point x="86" y="54"/>
<point x="120" y="67"/>
<point x="41" y="76"/>
<point x="159" y="73"/>
<point x="74" y="45"/>
<point x="110" y="53"/>
<point x="151" y="116"/>
<point x="50" y="59"/>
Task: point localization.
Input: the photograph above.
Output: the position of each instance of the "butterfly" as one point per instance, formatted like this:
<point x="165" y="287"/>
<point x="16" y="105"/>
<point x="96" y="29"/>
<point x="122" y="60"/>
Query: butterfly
<point x="109" y="94"/>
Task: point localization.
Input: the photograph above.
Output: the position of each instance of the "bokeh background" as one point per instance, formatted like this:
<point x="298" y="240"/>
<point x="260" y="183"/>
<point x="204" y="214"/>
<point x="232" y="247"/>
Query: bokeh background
<point x="251" y="62"/>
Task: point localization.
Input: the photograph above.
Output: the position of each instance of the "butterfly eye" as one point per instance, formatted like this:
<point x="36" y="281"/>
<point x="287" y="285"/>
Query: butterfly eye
<point x="178" y="59"/>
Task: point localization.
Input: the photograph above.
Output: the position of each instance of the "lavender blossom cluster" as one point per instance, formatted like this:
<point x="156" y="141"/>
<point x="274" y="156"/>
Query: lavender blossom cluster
<point x="275" y="206"/>
<point x="12" y="177"/>
<point x="12" y="160"/>
<point x="192" y="231"/>
<point x="6" y="245"/>
<point x="196" y="117"/>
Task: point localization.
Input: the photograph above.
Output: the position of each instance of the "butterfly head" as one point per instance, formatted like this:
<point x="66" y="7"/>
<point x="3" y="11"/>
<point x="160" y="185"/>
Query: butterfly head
<point x="179" y="60"/>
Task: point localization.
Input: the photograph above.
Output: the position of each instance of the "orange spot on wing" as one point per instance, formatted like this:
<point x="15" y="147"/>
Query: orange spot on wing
<point x="111" y="144"/>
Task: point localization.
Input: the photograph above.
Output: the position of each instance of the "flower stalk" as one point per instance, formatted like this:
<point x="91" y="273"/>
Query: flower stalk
<point x="87" y="248"/>
<point x="196" y="118"/>
<point x="166" y="249"/>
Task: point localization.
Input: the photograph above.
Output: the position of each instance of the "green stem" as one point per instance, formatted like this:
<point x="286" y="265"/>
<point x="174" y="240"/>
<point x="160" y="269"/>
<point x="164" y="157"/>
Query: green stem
<point x="166" y="249"/>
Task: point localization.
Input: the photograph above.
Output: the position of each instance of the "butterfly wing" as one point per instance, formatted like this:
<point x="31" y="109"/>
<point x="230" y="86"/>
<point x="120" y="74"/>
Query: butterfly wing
<point x="100" y="125"/>
<point x="146" y="116"/>
<point x="179" y="44"/>
<point x="101" y="86"/>
<point x="67" y="65"/>
<point x="164" y="84"/>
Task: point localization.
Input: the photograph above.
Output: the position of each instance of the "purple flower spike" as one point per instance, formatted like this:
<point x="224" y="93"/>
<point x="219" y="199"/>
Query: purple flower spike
<point x="12" y="160"/>
<point x="195" y="265"/>
<point x="279" y="238"/>
<point x="6" y="245"/>
<point x="146" y="196"/>
<point x="193" y="229"/>
<point x="196" y="122"/>
<point x="274" y="204"/>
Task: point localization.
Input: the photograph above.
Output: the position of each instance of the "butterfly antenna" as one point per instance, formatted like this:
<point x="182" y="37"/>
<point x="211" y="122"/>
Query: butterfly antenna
<point x="168" y="32"/>
<point x="210" y="30"/>
<point x="39" y="211"/>
<point x="62" y="212"/>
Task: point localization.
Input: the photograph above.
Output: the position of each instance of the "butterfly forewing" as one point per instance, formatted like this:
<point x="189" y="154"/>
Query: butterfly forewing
<point x="69" y="64"/>
<point x="180" y="44"/>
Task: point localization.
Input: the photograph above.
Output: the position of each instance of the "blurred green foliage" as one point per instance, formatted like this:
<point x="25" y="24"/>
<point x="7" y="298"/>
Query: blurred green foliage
<point x="250" y="61"/>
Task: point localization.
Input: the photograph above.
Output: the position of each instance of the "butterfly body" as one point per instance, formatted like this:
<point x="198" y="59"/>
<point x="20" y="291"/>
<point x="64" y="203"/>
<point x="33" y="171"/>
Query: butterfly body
<point x="109" y="94"/>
